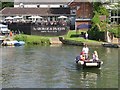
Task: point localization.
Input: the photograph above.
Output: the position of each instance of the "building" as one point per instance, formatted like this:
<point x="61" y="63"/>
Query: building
<point x="83" y="12"/>
<point x="79" y="13"/>
<point x="40" y="3"/>
<point x="48" y="9"/>
<point x="114" y="9"/>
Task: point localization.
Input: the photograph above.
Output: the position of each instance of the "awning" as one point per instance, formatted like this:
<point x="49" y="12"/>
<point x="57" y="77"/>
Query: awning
<point x="83" y="26"/>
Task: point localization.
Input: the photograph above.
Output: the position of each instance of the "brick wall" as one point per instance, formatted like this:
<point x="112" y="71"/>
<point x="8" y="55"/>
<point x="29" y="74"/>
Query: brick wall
<point x="85" y="10"/>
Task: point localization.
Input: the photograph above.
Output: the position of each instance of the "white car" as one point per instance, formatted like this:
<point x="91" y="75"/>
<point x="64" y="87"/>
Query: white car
<point x="4" y="29"/>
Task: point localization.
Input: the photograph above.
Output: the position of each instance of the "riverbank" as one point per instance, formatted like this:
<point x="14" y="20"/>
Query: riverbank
<point x="77" y="38"/>
<point x="79" y="42"/>
<point x="71" y="38"/>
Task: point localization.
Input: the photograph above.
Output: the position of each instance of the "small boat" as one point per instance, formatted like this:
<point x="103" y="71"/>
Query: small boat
<point x="1" y="39"/>
<point x="88" y="63"/>
<point x="9" y="42"/>
<point x="111" y="45"/>
<point x="19" y="43"/>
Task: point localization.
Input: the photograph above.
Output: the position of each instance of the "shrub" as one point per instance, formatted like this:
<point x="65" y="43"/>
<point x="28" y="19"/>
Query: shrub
<point x="20" y="38"/>
<point x="115" y="31"/>
<point x="33" y="40"/>
<point x="96" y="34"/>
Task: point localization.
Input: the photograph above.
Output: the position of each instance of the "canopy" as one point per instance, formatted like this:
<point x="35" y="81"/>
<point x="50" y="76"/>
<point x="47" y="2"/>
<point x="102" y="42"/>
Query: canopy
<point x="35" y="17"/>
<point x="9" y="18"/>
<point x="62" y="17"/>
<point x="82" y="26"/>
<point x="17" y="17"/>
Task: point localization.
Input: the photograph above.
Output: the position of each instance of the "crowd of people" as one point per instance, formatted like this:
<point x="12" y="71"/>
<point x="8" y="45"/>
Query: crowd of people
<point x="53" y="23"/>
<point x="84" y="54"/>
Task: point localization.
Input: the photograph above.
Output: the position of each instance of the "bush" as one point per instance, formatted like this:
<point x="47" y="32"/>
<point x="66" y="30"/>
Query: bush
<point x="95" y="34"/>
<point x="115" y="31"/>
<point x="20" y="38"/>
<point x="33" y="40"/>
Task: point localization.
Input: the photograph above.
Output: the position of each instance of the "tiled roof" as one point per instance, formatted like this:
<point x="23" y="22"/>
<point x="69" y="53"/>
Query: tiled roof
<point x="35" y="11"/>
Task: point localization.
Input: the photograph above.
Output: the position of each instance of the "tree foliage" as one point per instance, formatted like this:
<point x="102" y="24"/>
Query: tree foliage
<point x="96" y="18"/>
<point x="100" y="9"/>
<point x="6" y="4"/>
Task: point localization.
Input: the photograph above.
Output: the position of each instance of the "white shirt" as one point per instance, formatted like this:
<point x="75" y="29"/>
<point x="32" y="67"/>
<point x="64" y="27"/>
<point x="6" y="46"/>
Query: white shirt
<point x="95" y="57"/>
<point x="85" y="49"/>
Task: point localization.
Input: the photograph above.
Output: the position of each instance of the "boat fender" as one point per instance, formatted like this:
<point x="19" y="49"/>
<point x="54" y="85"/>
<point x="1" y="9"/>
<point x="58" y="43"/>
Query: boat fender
<point x="101" y="62"/>
<point x="81" y="62"/>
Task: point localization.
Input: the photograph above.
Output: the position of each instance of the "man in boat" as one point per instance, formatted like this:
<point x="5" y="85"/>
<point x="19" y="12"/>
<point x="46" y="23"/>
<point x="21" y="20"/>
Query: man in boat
<point x="85" y="49"/>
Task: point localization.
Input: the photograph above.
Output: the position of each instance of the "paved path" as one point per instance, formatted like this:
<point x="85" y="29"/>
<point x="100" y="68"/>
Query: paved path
<point x="116" y="40"/>
<point x="55" y="40"/>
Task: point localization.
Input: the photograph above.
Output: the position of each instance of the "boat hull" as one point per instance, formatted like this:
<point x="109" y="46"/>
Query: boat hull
<point x="13" y="43"/>
<point x="89" y="63"/>
<point x="96" y="64"/>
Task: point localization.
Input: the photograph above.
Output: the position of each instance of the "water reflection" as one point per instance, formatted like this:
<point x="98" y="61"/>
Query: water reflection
<point x="87" y="77"/>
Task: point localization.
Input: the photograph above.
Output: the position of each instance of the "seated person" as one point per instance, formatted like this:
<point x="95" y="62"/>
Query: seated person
<point x="95" y="56"/>
<point x="82" y="56"/>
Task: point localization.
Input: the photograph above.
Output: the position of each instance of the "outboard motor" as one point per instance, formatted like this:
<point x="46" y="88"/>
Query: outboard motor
<point x="77" y="59"/>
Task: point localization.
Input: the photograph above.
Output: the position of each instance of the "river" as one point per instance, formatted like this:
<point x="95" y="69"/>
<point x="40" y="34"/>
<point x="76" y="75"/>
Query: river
<point x="54" y="67"/>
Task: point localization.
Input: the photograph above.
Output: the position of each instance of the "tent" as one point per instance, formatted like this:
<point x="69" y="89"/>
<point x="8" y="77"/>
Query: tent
<point x="17" y="17"/>
<point x="9" y="18"/>
<point x="36" y="17"/>
<point x="61" y="17"/>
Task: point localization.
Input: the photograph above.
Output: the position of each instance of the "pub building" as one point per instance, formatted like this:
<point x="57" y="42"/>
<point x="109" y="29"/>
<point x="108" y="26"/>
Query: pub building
<point x="83" y="13"/>
<point x="47" y="17"/>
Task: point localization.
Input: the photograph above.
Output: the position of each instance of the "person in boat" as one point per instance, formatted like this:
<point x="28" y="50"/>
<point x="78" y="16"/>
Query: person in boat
<point x="95" y="56"/>
<point x="82" y="56"/>
<point x="85" y="49"/>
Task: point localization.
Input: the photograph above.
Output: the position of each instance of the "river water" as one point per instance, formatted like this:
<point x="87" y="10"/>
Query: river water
<point x="54" y="67"/>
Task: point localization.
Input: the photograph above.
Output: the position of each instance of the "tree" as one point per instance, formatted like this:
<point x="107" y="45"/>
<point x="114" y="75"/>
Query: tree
<point x="96" y="19"/>
<point x="100" y="9"/>
<point x="6" y="4"/>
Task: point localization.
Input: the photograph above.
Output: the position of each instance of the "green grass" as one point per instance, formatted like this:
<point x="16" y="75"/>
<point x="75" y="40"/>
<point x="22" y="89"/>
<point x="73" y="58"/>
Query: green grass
<point x="32" y="39"/>
<point x="73" y="32"/>
<point x="80" y="39"/>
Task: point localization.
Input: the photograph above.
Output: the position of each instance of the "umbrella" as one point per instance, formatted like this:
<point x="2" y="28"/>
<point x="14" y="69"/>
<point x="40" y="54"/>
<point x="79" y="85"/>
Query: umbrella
<point x="62" y="17"/>
<point x="35" y="17"/>
<point x="9" y="18"/>
<point x="17" y="17"/>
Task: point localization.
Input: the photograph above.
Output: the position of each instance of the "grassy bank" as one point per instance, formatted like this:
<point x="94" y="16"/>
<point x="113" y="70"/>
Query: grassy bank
<point x="32" y="39"/>
<point x="80" y="39"/>
<point x="45" y="40"/>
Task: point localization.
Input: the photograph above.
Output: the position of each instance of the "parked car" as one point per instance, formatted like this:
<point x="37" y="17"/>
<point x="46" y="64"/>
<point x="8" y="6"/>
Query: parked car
<point x="4" y="29"/>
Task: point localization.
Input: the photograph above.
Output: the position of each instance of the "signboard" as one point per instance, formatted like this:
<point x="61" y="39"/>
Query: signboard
<point x="49" y="30"/>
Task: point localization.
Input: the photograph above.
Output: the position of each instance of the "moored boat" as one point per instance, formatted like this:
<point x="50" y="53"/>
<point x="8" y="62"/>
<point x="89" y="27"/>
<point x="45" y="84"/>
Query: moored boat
<point x="1" y="39"/>
<point x="111" y="45"/>
<point x="19" y="43"/>
<point x="9" y="42"/>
